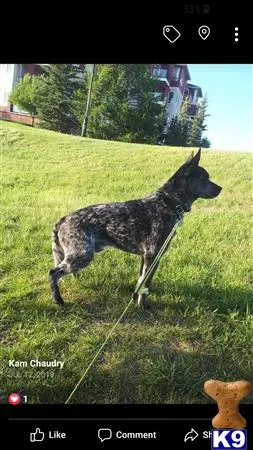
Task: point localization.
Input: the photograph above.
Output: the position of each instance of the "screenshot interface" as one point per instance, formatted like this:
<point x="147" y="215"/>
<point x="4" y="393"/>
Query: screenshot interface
<point x="126" y="314"/>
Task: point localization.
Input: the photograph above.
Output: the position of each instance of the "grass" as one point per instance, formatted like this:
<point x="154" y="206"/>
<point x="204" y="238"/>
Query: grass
<point x="200" y="324"/>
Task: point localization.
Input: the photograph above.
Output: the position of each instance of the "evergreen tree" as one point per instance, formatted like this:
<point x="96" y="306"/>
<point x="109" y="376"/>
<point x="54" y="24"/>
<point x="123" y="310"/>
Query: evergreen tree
<point x="198" y="125"/>
<point x="205" y="143"/>
<point x="179" y="126"/>
<point x="184" y="121"/>
<point x="122" y="104"/>
<point x="58" y="104"/>
<point x="173" y="133"/>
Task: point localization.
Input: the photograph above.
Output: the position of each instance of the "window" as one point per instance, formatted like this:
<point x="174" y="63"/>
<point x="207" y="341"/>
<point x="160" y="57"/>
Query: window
<point x="176" y="73"/>
<point x="19" y="70"/>
<point x="156" y="70"/>
<point x="171" y="97"/>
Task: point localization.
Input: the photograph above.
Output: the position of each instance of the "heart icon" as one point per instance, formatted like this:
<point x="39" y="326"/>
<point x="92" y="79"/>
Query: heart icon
<point x="14" y="399"/>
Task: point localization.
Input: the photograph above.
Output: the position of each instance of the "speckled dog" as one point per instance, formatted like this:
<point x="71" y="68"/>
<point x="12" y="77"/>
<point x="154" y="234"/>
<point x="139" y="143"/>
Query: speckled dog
<point x="135" y="226"/>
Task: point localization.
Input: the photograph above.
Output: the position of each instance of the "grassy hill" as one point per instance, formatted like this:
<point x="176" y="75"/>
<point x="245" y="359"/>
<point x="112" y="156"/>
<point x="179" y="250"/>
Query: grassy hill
<point x="200" y="324"/>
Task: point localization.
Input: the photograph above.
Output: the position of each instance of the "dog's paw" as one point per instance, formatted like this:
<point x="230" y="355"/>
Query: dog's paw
<point x="134" y="296"/>
<point x="143" y="304"/>
<point x="59" y="301"/>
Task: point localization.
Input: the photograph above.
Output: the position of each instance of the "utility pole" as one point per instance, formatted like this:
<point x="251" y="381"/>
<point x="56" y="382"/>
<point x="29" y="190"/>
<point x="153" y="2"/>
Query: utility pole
<point x="85" y="120"/>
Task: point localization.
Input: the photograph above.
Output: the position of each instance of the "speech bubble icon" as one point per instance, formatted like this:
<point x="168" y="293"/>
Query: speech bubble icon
<point x="104" y="434"/>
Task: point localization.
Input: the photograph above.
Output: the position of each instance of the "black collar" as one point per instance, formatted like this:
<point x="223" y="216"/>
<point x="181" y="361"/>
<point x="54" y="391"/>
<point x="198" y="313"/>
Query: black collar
<point x="179" y="211"/>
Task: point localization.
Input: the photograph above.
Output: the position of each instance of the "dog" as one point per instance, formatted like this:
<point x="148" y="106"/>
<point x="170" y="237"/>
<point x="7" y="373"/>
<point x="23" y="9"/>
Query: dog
<point x="136" y="226"/>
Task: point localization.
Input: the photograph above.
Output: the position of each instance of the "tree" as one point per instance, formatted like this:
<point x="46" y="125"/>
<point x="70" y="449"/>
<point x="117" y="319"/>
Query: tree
<point x="179" y="126"/>
<point x="123" y="106"/>
<point x="205" y="143"/>
<point x="184" y="121"/>
<point x="198" y="125"/>
<point x="60" y="100"/>
<point x="173" y="134"/>
<point x="25" y="93"/>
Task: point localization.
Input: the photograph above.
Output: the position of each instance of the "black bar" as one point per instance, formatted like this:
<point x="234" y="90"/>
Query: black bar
<point x="81" y="423"/>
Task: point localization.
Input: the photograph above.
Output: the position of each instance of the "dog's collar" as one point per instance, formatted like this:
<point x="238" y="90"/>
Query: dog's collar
<point x="179" y="211"/>
<point x="179" y="214"/>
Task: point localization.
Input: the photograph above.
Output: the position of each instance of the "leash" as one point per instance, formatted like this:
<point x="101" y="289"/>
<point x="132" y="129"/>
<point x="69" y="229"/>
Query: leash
<point x="139" y="289"/>
<point x="179" y="222"/>
<point x="98" y="352"/>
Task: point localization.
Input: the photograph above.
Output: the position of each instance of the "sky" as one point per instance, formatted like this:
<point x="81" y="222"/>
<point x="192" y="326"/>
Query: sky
<point x="229" y="88"/>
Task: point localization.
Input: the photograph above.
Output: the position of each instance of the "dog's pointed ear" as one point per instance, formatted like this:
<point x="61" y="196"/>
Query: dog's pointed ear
<point x="190" y="157"/>
<point x="196" y="158"/>
<point x="193" y="162"/>
<point x="190" y="164"/>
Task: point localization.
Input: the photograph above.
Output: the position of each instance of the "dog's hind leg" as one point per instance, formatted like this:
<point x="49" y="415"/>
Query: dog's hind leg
<point x="79" y="253"/>
<point x="58" y="252"/>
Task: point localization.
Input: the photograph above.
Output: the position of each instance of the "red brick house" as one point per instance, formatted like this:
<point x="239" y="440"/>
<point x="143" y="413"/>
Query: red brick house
<point x="173" y="87"/>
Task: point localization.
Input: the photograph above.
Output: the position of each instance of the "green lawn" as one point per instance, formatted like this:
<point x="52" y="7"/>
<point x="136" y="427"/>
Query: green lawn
<point x="200" y="324"/>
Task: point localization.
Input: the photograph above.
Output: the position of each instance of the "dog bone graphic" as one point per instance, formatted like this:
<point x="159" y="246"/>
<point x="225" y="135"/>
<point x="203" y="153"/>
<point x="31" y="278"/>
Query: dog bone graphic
<point x="228" y="395"/>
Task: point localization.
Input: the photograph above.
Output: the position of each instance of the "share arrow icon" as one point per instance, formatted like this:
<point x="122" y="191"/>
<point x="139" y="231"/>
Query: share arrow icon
<point x="191" y="435"/>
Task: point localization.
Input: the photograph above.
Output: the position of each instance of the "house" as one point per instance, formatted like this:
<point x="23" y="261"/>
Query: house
<point x="10" y="75"/>
<point x="173" y="87"/>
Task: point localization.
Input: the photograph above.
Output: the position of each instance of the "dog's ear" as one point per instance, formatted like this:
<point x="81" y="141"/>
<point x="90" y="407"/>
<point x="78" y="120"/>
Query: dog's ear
<point x="190" y="164"/>
<point x="196" y="158"/>
<point x="190" y="157"/>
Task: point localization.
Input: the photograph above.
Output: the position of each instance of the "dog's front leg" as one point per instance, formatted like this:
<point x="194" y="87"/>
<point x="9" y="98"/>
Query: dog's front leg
<point x="135" y="296"/>
<point x="141" y="266"/>
<point x="147" y="261"/>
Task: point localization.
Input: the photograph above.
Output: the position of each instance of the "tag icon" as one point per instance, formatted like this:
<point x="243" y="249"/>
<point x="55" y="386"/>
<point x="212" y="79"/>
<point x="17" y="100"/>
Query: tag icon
<point x="171" y="33"/>
<point x="204" y="32"/>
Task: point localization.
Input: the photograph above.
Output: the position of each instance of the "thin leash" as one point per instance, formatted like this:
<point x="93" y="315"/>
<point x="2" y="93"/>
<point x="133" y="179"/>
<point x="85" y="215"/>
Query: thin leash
<point x="139" y="289"/>
<point x="98" y="352"/>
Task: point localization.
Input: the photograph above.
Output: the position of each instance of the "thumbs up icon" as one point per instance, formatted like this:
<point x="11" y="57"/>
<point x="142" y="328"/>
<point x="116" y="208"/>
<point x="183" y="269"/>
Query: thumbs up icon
<point x="38" y="436"/>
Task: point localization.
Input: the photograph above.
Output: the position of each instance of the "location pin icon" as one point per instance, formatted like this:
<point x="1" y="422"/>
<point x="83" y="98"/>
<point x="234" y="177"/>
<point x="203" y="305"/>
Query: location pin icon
<point x="204" y="31"/>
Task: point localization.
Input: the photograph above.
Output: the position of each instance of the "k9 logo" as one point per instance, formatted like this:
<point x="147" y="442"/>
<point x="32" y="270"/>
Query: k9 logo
<point x="225" y="439"/>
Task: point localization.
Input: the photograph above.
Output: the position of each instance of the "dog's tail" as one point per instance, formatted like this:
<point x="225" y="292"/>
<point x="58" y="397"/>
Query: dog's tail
<point x="58" y="252"/>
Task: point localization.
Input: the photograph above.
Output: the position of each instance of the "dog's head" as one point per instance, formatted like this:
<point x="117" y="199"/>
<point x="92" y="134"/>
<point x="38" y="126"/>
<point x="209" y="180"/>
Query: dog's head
<point x="194" y="181"/>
